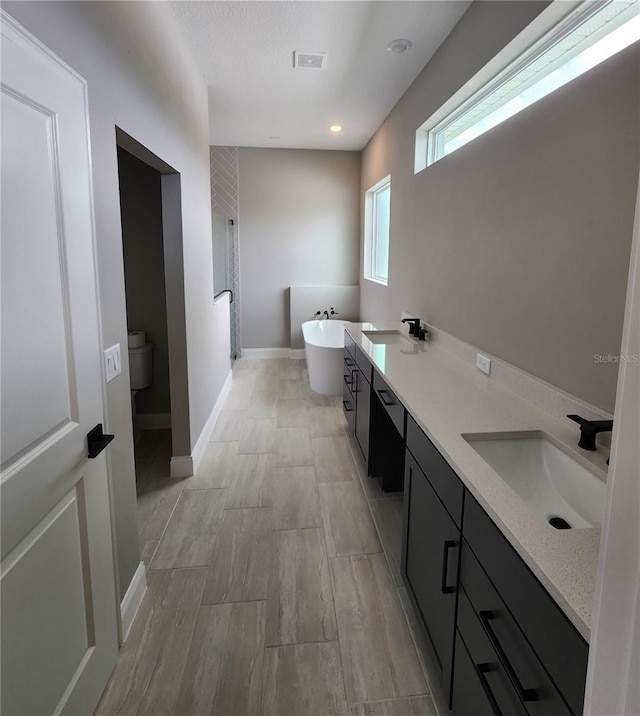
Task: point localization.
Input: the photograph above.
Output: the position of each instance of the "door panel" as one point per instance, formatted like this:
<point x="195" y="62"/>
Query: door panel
<point x="33" y="301"/>
<point x="59" y="635"/>
<point x="44" y="611"/>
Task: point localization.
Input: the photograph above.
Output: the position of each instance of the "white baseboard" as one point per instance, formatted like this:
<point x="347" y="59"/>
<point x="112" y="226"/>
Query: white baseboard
<point x="186" y="465"/>
<point x="203" y="440"/>
<point x="265" y="353"/>
<point x="153" y="421"/>
<point x="133" y="599"/>
<point x="181" y="466"/>
<point x="251" y="353"/>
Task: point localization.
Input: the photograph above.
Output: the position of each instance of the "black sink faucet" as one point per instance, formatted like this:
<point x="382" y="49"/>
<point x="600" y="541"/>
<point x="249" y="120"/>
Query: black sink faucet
<point x="414" y="328"/>
<point x="589" y="429"/>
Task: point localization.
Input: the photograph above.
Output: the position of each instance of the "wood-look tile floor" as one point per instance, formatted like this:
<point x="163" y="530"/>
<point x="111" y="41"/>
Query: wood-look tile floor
<point x="273" y="573"/>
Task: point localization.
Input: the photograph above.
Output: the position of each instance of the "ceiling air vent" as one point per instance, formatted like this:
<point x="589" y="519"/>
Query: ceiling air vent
<point x="309" y="60"/>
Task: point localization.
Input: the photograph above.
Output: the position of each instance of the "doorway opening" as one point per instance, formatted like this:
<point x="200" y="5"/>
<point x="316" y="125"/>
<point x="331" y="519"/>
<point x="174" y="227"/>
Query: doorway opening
<point x="150" y="204"/>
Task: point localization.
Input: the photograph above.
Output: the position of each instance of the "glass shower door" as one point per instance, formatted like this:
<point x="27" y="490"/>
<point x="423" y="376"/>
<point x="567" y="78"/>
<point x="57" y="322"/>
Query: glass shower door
<point x="223" y="267"/>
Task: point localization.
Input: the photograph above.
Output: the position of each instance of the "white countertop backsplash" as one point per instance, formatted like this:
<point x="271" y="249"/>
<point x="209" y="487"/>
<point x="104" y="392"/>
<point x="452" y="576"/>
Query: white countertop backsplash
<point x="447" y="396"/>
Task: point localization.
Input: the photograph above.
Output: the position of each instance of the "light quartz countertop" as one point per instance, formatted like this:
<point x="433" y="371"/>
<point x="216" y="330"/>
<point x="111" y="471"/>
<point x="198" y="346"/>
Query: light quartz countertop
<point x="447" y="397"/>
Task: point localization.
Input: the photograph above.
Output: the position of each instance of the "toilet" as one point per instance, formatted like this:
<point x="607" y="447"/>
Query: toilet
<point x="140" y="371"/>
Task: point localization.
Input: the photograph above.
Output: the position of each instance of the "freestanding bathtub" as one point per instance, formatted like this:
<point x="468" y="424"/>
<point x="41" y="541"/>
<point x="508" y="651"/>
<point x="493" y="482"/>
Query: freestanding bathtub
<point x="323" y="344"/>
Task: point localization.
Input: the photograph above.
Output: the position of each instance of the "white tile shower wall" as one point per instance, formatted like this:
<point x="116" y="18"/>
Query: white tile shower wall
<point x="304" y="301"/>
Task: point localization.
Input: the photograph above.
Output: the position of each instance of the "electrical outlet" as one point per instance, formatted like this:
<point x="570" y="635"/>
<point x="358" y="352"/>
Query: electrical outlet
<point x="112" y="362"/>
<point x="483" y="363"/>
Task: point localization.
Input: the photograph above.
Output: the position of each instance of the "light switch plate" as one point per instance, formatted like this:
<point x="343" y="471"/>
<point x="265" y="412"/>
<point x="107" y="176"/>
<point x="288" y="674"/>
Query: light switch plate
<point x="483" y="363"/>
<point x="112" y="362"/>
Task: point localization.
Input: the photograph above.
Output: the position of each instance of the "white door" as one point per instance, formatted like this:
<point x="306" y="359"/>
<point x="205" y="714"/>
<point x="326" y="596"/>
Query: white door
<point x="59" y="624"/>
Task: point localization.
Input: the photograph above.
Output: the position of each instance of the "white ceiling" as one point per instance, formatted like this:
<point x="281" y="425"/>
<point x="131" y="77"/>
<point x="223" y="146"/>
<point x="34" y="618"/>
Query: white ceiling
<point x="245" y="50"/>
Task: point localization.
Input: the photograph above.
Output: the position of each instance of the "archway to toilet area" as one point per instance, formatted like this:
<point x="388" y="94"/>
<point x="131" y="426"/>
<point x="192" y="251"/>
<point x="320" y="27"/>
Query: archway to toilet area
<point x="150" y="202"/>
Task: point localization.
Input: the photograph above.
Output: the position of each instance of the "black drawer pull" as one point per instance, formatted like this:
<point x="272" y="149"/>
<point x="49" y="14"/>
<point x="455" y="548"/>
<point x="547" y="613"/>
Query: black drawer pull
<point x="385" y="402"/>
<point x="347" y="406"/>
<point x="524" y="694"/>
<point x="354" y="381"/>
<point x="445" y="566"/>
<point x="349" y="362"/>
<point x="348" y="381"/>
<point x="481" y="670"/>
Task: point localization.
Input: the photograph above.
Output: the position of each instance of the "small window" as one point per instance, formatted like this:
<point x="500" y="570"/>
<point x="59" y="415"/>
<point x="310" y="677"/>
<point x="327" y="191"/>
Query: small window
<point x="591" y="33"/>
<point x="377" y="206"/>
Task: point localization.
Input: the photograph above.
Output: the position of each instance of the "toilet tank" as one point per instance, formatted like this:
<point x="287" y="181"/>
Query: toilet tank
<point x="141" y="366"/>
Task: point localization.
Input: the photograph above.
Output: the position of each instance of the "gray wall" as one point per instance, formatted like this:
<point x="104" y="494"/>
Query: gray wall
<point x="299" y="221"/>
<point x="519" y="242"/>
<point x="141" y="211"/>
<point x="142" y="78"/>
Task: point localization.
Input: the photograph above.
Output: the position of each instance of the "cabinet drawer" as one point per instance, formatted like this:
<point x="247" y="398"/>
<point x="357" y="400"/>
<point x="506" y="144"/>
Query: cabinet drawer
<point x="492" y="623"/>
<point x="349" y="345"/>
<point x="481" y="686"/>
<point x="347" y="371"/>
<point x="442" y="478"/>
<point x="349" y="360"/>
<point x="364" y="364"/>
<point x="552" y="636"/>
<point x="389" y="400"/>
<point x="348" y="404"/>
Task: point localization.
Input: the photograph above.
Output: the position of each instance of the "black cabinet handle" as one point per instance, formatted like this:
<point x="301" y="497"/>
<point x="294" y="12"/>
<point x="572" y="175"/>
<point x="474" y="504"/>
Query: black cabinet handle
<point x="347" y="406"/>
<point x="525" y="694"/>
<point x="97" y="441"/>
<point x="348" y="381"/>
<point x="445" y="566"/>
<point x="481" y="670"/>
<point x="349" y="362"/>
<point x="385" y="402"/>
<point x="354" y="381"/>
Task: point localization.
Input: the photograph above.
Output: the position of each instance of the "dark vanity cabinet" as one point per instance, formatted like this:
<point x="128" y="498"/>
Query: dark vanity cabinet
<point x="387" y="436"/>
<point x="503" y="645"/>
<point x="362" y="392"/>
<point x="348" y="398"/>
<point x="433" y="503"/>
<point x="518" y="648"/>
<point x="356" y="394"/>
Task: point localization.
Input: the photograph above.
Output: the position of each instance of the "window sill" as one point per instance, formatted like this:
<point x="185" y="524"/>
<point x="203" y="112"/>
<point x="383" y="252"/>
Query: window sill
<point x="379" y="281"/>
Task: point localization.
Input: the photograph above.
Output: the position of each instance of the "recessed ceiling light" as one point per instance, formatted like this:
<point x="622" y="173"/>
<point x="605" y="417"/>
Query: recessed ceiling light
<point x="399" y="46"/>
<point x="335" y="128"/>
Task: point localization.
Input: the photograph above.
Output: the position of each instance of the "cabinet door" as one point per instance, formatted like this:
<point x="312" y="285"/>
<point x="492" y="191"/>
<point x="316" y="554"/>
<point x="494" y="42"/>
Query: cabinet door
<point x="430" y="564"/>
<point x="386" y="451"/>
<point x="362" y="394"/>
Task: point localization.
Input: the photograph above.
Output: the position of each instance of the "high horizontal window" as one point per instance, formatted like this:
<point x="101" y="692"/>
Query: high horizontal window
<point x="377" y="207"/>
<point x="589" y="34"/>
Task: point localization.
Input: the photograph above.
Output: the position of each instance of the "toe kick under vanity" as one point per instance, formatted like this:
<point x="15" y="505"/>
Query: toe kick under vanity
<point x="503" y="598"/>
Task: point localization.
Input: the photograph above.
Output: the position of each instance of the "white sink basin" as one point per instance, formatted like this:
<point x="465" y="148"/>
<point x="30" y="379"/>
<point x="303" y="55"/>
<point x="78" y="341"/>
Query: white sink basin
<point x="386" y="337"/>
<point x="550" y="481"/>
